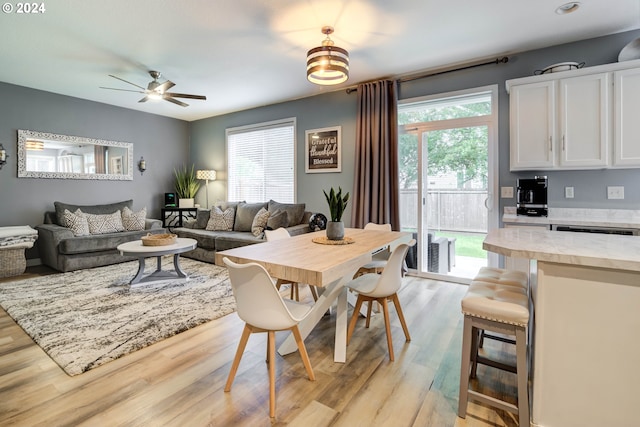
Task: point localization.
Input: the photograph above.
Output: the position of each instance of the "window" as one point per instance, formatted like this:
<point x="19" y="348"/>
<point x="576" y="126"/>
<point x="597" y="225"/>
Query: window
<point x="261" y="162"/>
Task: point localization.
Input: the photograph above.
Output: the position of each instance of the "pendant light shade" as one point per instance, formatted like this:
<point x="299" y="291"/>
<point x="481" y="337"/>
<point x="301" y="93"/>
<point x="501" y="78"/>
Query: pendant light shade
<point x="327" y="64"/>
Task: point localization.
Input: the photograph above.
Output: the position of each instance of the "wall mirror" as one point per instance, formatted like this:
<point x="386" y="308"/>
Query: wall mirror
<point x="48" y="155"/>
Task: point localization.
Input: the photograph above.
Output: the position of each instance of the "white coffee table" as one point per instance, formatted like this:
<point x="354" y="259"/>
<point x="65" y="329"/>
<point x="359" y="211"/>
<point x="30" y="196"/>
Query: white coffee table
<point x="137" y="249"/>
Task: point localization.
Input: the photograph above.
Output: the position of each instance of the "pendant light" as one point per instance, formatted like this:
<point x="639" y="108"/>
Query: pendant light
<point x="327" y="64"/>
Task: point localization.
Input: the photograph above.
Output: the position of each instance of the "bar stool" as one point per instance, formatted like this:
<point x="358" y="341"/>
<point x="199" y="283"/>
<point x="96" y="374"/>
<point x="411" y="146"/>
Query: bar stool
<point x="503" y="309"/>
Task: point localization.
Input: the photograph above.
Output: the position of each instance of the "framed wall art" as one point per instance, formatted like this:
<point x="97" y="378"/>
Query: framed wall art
<point x="323" y="150"/>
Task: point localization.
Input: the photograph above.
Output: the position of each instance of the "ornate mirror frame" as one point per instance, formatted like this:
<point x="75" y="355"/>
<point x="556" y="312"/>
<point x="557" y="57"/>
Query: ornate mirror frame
<point x="121" y="165"/>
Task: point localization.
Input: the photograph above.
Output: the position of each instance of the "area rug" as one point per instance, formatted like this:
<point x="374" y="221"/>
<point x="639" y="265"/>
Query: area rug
<point x="86" y="318"/>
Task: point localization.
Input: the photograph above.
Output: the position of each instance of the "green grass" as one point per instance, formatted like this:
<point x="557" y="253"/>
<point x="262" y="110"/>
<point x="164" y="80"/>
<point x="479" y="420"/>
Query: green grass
<point x="466" y="244"/>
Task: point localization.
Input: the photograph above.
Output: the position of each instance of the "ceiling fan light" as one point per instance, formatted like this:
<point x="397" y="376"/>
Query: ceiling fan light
<point x="327" y="64"/>
<point x="155" y="96"/>
<point x="32" y="145"/>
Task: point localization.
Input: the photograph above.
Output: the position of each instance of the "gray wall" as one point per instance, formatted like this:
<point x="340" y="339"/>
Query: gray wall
<point x="163" y="142"/>
<point x="338" y="108"/>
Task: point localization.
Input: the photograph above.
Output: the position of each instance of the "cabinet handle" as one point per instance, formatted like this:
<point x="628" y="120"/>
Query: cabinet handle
<point x="551" y="143"/>
<point x="563" y="145"/>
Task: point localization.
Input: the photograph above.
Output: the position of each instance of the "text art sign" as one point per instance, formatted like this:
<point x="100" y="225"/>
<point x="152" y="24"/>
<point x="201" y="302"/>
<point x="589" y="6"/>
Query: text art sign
<point x="322" y="150"/>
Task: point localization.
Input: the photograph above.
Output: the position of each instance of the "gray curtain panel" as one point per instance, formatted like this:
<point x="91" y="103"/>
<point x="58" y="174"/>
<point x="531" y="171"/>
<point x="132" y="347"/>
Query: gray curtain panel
<point x="376" y="186"/>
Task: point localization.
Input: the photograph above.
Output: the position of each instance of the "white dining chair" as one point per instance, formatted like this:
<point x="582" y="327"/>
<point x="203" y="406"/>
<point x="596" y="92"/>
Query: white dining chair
<point x="379" y="259"/>
<point x="278" y="234"/>
<point x="261" y="307"/>
<point x="380" y="288"/>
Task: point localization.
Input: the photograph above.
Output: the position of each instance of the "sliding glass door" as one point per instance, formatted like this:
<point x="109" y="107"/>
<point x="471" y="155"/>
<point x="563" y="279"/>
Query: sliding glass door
<point x="447" y="182"/>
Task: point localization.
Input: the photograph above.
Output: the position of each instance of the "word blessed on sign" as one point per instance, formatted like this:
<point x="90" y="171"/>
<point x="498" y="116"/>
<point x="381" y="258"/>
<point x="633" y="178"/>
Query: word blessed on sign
<point x="323" y="150"/>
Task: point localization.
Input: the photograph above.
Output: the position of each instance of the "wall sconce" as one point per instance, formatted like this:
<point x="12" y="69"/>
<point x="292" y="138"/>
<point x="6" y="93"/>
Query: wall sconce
<point x="142" y="165"/>
<point x="3" y="156"/>
<point x="206" y="175"/>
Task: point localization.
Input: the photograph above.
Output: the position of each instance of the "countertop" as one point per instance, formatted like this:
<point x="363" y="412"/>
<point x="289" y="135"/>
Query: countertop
<point x="619" y="218"/>
<point x="593" y="250"/>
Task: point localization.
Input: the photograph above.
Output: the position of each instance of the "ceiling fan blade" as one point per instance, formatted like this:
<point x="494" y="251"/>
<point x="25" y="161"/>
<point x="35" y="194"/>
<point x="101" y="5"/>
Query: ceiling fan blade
<point x="165" y="86"/>
<point x="145" y="99"/>
<point x="111" y="75"/>
<point x="123" y="90"/>
<point x="185" y="95"/>
<point x="175" y="101"/>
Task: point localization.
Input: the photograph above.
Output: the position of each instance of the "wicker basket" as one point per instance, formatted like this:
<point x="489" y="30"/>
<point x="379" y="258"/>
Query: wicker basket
<point x="159" y="239"/>
<point x="12" y="262"/>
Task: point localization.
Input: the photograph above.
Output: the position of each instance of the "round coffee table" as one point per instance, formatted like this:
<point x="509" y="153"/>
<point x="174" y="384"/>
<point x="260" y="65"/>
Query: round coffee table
<point x="137" y="249"/>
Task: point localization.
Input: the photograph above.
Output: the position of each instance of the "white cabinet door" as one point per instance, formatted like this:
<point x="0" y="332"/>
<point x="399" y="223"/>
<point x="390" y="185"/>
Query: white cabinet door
<point x="532" y="125"/>
<point x="626" y="151"/>
<point x="584" y="121"/>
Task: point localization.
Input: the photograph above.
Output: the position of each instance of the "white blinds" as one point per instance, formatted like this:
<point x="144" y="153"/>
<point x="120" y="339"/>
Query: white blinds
<point x="261" y="162"/>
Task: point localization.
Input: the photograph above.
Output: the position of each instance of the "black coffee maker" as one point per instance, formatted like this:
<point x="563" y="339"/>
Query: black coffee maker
<point x="532" y="196"/>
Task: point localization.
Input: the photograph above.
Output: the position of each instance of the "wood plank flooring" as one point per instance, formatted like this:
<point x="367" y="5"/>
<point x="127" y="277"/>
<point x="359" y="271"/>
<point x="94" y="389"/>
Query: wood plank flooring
<point x="179" y="381"/>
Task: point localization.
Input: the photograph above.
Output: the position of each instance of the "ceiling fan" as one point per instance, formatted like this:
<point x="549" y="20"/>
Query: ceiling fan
<point x="156" y="90"/>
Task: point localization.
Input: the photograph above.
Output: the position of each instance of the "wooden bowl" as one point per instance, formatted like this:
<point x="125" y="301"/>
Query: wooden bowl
<point x="159" y="239"/>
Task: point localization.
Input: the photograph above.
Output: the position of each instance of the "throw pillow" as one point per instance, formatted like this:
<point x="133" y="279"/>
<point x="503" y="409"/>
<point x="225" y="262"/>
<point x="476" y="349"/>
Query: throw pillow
<point x="245" y="213"/>
<point x="277" y="219"/>
<point x="133" y="221"/>
<point x="219" y="220"/>
<point x="295" y="211"/>
<point x="259" y="222"/>
<point x="103" y="224"/>
<point x="77" y="222"/>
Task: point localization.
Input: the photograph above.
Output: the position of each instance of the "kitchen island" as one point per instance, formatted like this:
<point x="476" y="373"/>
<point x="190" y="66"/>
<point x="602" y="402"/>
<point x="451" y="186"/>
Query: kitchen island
<point x="585" y="357"/>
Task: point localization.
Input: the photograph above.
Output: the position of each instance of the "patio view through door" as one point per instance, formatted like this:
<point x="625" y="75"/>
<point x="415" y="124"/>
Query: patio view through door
<point x="447" y="181"/>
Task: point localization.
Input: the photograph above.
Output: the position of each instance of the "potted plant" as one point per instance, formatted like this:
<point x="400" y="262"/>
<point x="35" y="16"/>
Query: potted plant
<point x="186" y="186"/>
<point x="337" y="205"/>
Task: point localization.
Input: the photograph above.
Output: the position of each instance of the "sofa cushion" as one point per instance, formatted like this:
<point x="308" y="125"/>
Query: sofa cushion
<point x="295" y="211"/>
<point x="219" y="220"/>
<point x="100" y="243"/>
<point x="234" y="239"/>
<point x="91" y="209"/>
<point x="133" y="221"/>
<point x="206" y="239"/>
<point x="77" y="222"/>
<point x="259" y="223"/>
<point x="277" y="219"/>
<point x="245" y="213"/>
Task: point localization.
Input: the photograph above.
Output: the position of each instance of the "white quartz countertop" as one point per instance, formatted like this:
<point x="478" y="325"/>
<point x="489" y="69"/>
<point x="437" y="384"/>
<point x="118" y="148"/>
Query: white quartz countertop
<point x="594" y="250"/>
<point x="618" y="218"/>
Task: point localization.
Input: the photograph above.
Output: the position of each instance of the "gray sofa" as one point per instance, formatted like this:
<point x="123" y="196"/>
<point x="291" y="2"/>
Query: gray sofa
<point x="210" y="242"/>
<point x="61" y="250"/>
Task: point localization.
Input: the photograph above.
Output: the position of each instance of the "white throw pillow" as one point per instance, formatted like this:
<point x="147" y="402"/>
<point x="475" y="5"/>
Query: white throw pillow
<point x="260" y="222"/>
<point x="77" y="222"/>
<point x="133" y="221"/>
<point x="219" y="220"/>
<point x="103" y="224"/>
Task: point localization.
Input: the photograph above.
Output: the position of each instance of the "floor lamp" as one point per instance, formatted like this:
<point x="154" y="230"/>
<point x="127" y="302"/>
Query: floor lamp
<point x="206" y="175"/>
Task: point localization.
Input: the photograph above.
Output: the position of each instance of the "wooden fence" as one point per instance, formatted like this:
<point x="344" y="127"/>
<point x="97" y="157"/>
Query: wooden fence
<point x="450" y="210"/>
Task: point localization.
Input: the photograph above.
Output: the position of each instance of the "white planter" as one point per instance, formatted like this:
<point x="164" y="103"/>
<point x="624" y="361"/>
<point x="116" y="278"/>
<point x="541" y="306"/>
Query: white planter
<point x="185" y="203"/>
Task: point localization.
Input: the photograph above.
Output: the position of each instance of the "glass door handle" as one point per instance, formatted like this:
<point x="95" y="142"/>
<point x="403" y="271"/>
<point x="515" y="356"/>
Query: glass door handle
<point x="486" y="200"/>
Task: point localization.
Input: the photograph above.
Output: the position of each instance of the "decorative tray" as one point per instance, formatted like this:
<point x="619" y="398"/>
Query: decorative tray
<point x="158" y="239"/>
<point x="324" y="241"/>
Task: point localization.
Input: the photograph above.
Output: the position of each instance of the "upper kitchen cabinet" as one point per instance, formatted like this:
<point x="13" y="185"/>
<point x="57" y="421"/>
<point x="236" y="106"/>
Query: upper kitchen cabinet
<point x="626" y="150"/>
<point x="563" y="120"/>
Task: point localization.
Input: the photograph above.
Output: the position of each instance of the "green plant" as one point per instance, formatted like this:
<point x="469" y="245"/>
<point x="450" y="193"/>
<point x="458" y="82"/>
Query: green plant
<point x="186" y="183"/>
<point x="337" y="203"/>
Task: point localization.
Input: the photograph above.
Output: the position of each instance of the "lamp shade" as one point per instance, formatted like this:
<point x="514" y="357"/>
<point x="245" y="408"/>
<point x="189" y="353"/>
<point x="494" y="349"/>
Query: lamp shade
<point x="205" y="174"/>
<point x="327" y="64"/>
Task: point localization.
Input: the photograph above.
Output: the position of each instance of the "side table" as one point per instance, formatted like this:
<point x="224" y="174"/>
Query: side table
<point x="173" y="217"/>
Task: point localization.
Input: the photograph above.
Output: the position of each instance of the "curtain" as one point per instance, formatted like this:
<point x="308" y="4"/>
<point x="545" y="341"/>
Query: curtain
<point x="99" y="158"/>
<point x="376" y="186"/>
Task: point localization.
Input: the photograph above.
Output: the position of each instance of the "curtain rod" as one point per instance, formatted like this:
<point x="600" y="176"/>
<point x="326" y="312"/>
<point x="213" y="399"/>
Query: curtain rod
<point x="502" y="60"/>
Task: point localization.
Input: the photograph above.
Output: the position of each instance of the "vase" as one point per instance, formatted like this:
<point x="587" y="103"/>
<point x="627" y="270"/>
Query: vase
<point x="335" y="230"/>
<point x="185" y="203"/>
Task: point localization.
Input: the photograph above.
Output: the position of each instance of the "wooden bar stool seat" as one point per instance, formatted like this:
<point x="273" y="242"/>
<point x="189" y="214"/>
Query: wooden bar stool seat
<point x="502" y="309"/>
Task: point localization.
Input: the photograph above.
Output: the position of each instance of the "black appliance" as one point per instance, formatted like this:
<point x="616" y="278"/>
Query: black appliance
<point x="169" y="200"/>
<point x="531" y="197"/>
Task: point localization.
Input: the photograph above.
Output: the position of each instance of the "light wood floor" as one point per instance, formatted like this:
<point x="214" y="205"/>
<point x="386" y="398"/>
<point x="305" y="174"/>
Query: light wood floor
<point x="179" y="381"/>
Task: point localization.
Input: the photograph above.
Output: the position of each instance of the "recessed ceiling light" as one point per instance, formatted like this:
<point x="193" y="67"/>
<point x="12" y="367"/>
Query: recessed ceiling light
<point x="568" y="8"/>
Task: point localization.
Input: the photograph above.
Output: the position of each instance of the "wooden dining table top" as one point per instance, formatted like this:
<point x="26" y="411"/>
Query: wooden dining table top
<point x="299" y="259"/>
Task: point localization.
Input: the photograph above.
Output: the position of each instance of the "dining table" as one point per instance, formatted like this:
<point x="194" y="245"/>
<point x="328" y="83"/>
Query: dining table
<point x="329" y="265"/>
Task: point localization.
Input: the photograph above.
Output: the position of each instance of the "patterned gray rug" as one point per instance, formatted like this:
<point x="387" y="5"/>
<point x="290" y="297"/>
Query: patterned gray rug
<point x="86" y="318"/>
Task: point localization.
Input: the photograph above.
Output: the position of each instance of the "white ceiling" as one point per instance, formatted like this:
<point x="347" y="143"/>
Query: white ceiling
<point x="248" y="53"/>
